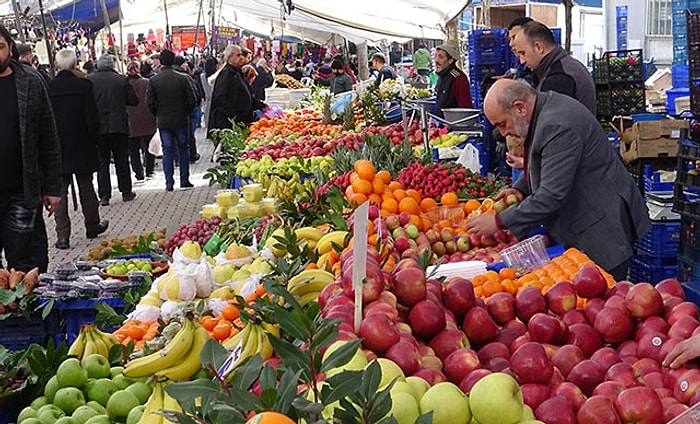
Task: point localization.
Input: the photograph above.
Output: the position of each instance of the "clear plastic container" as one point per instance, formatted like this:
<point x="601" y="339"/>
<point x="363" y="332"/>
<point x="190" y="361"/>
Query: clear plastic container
<point x="252" y="192"/>
<point x="227" y="197"/>
<point x="526" y="255"/>
<point x="270" y="205"/>
<point x="257" y="209"/>
<point x="209" y="211"/>
<point x="243" y="210"/>
<point x="232" y="212"/>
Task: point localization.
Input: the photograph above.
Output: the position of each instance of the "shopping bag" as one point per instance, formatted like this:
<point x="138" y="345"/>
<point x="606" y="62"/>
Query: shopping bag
<point x="470" y="158"/>
<point x="154" y="146"/>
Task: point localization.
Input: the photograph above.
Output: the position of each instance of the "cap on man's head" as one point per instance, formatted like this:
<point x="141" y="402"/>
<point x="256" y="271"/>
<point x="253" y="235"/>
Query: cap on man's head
<point x="451" y="49"/>
<point x="167" y="58"/>
<point x="155" y="56"/>
<point x="179" y="60"/>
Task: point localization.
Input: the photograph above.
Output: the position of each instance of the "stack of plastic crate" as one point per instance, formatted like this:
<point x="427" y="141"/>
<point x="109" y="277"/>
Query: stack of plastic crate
<point x="693" y="37"/>
<point x="621" y="23"/>
<point x="487" y="57"/>
<point x="656" y="255"/>
<point x="686" y="201"/>
<point x="619" y="81"/>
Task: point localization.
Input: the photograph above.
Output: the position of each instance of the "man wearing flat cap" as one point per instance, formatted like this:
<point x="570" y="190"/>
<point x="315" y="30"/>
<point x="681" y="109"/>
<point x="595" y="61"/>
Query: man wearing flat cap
<point x="453" y="85"/>
<point x="156" y="65"/>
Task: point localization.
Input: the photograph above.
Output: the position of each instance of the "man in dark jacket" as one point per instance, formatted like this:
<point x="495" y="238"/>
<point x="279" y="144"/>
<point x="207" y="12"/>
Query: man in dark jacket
<point x="170" y="98"/>
<point x="552" y="66"/>
<point x="452" y="90"/>
<point x="142" y="127"/>
<point x="232" y="97"/>
<point x="340" y="81"/>
<point x="31" y="173"/>
<point x="78" y="126"/>
<point x="385" y="72"/>
<point x="113" y="94"/>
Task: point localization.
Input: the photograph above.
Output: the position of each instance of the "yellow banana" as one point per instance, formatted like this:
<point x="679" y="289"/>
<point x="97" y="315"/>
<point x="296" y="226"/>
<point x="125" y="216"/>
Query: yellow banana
<point x="100" y="345"/>
<point x="325" y="244"/>
<point x="308" y="297"/>
<point x="169" y="402"/>
<point x="309" y="233"/>
<point x="109" y="338"/>
<point x="322" y="259"/>
<point x="266" y="349"/>
<point x="171" y="353"/>
<point x="90" y="346"/>
<point x="314" y="280"/>
<point x="191" y="362"/>
<point x="251" y="344"/>
<point x="77" y="348"/>
<point x="311" y="275"/>
<point x="311" y="244"/>
<point x="153" y="405"/>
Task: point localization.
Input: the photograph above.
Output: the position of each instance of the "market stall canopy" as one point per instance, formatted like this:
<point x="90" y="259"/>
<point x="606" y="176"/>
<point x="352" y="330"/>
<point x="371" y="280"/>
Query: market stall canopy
<point x="85" y="13"/>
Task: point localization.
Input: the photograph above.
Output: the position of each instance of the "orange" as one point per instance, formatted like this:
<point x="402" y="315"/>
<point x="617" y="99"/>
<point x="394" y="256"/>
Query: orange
<point x="370" y="227"/>
<point x="395" y="185"/>
<point x="354" y="177"/>
<point x="390" y="205"/>
<point x="361" y="186"/>
<point x="378" y="186"/>
<point x="492" y="287"/>
<point x="479" y="291"/>
<point x="409" y="204"/>
<point x="449" y="199"/>
<point x="349" y="192"/>
<point x="399" y="194"/>
<point x="208" y="322"/>
<point x="230" y="312"/>
<point x="414" y="194"/>
<point x="358" y="199"/>
<point x="136" y="332"/>
<point x="492" y="275"/>
<point x="507" y="273"/>
<point x="478" y="280"/>
<point x="270" y="417"/>
<point x="471" y="205"/>
<point x="384" y="176"/>
<point x="509" y="286"/>
<point x="365" y="169"/>
<point x="222" y="330"/>
<point x="375" y="199"/>
<point x="428" y="203"/>
<point x="444" y="223"/>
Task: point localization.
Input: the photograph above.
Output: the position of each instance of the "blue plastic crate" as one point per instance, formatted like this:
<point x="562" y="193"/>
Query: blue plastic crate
<point x="17" y="332"/>
<point x="688" y="270"/>
<point x="75" y="313"/>
<point x="485" y="39"/>
<point x="477" y="73"/>
<point x="679" y="4"/>
<point x="692" y="291"/>
<point x="485" y="57"/>
<point x="672" y="95"/>
<point x="643" y="271"/>
<point x="239" y="182"/>
<point x="679" y="76"/>
<point x="662" y="240"/>
<point x="556" y="32"/>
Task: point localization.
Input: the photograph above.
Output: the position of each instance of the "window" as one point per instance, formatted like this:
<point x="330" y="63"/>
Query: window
<point x="659" y="17"/>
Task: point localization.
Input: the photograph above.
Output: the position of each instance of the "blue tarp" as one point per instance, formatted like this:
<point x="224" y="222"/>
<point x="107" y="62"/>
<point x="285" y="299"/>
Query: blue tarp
<point x="86" y="13"/>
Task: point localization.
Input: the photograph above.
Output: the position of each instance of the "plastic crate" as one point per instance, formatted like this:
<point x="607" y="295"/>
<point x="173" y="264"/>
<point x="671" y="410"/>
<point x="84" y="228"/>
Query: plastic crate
<point x="239" y="182"/>
<point x="494" y="55"/>
<point x="692" y="291"/>
<point x="486" y="39"/>
<point x="679" y="76"/>
<point x="619" y="66"/>
<point x="688" y="270"/>
<point x="17" y="332"/>
<point x="641" y="270"/>
<point x="75" y="313"/>
<point x="662" y="240"/>
<point x="477" y="72"/>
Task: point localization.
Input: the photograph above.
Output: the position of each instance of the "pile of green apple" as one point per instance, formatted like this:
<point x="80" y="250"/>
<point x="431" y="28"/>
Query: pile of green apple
<point x="122" y="267"/>
<point x="90" y="392"/>
<point x="449" y="139"/>
<point x="284" y="167"/>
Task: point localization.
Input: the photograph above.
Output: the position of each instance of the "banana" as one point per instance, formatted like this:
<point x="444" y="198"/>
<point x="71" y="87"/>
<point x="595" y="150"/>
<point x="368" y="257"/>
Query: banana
<point x="77" y="348"/>
<point x="90" y="346"/>
<point x="169" y="402"/>
<point x="266" y="349"/>
<point x="232" y="342"/>
<point x="153" y="405"/>
<point x="100" y="345"/>
<point x="308" y="297"/>
<point x="325" y="244"/>
<point x="311" y="244"/>
<point x="191" y="362"/>
<point x="251" y="344"/>
<point x="322" y="259"/>
<point x="109" y="338"/>
<point x="166" y="357"/>
<point x="311" y="280"/>
<point x="309" y="233"/>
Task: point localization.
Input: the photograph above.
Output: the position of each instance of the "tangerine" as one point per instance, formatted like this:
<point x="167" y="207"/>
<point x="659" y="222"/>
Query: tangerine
<point x="508" y="273"/>
<point x="361" y="186"/>
<point x="358" y="199"/>
<point x="428" y="203"/>
<point x="384" y="176"/>
<point x="471" y="205"/>
<point x="375" y="199"/>
<point x="390" y="205"/>
<point x="365" y="169"/>
<point x="414" y="194"/>
<point x="230" y="312"/>
<point x="409" y="205"/>
<point x="449" y="199"/>
<point x="222" y="330"/>
<point x="378" y="186"/>
<point x="395" y="185"/>
<point x="208" y="322"/>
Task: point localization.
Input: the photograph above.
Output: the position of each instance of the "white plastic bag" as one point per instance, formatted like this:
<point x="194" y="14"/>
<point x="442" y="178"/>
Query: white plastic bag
<point x="154" y="146"/>
<point x="470" y="158"/>
<point x="197" y="274"/>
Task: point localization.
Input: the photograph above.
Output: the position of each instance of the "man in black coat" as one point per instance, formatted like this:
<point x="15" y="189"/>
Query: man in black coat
<point x="112" y="94"/>
<point x="78" y="126"/>
<point x="232" y="97"/>
<point x="170" y="97"/>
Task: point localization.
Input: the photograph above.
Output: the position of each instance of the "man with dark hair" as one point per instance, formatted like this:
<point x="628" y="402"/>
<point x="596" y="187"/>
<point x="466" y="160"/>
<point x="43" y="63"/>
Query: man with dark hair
<point x="422" y="60"/>
<point x="113" y="94"/>
<point x="453" y="85"/>
<point x="170" y="98"/>
<point x="322" y="76"/>
<point x="553" y="68"/>
<point x="385" y="72"/>
<point x="340" y="81"/>
<point x="573" y="183"/>
<point x="31" y="173"/>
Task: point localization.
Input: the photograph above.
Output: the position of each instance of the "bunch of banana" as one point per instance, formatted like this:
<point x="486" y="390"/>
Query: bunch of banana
<point x="308" y="236"/>
<point x="190" y="363"/>
<point x="307" y="285"/>
<point x="325" y="244"/>
<point x="253" y="339"/>
<point x="91" y="340"/>
<point x="159" y="401"/>
<point x="175" y="352"/>
<point x="285" y="190"/>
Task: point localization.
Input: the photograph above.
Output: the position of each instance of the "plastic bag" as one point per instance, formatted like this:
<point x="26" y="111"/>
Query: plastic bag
<point x="198" y="275"/>
<point x="470" y="158"/>
<point x="154" y="146"/>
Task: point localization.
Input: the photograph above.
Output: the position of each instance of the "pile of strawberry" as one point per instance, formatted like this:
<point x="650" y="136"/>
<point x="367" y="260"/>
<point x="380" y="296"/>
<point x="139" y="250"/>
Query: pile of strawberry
<point x="436" y="179"/>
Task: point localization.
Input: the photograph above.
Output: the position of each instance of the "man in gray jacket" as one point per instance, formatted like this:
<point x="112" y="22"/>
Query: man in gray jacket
<point x="573" y="183"/>
<point x="113" y="94"/>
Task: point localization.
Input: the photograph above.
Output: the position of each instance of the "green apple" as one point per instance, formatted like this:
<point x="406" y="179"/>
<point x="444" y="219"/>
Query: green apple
<point x="141" y="390"/>
<point x="49" y="416"/>
<point x="97" y="407"/>
<point x="120" y="404"/>
<point x="100" y="390"/>
<point x="69" y="399"/>
<point x="115" y="371"/>
<point x="51" y="388"/>
<point x="357" y="362"/>
<point x="97" y="366"/>
<point x="390" y="371"/>
<point x="84" y="413"/>
<point x="533" y="421"/>
<point x="527" y="414"/>
<point x="38" y="402"/>
<point x="122" y="381"/>
<point x="404" y="408"/>
<point x="99" y="419"/>
<point x="418" y="385"/>
<point x="71" y="374"/>
<point x="48" y="407"/>
<point x="135" y="415"/>
<point x="448" y="403"/>
<point x="25" y="413"/>
<point x="67" y="420"/>
<point x="31" y="420"/>
<point x="496" y="399"/>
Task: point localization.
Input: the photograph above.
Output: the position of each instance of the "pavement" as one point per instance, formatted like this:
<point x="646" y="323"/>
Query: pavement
<point x="153" y="208"/>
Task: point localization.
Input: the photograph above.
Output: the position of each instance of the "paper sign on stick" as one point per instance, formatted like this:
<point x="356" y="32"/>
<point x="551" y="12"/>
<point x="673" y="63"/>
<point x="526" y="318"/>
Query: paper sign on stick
<point x="359" y="255"/>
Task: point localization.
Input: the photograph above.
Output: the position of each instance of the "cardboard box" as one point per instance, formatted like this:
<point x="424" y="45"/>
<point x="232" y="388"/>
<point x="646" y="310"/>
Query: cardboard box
<point x="648" y="139"/>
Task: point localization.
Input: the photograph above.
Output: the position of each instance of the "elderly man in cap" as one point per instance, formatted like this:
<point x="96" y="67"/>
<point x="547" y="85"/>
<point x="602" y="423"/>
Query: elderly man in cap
<point x="155" y="65"/>
<point x="453" y="85"/>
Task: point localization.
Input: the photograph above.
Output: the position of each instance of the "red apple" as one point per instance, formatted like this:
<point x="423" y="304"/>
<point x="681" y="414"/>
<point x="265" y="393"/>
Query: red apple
<point x="574" y="316"/>
<point x="670" y="303"/>
<point x="409" y="286"/>
<point x="667" y="347"/>
<point x="639" y="405"/>
<point x="501" y="306"/>
<point x="379" y="333"/>
<point x="517" y="325"/>
<point x="616" y="302"/>
<point x="427" y="319"/>
<point x="546" y="328"/>
<point x="470" y="380"/>
<point x="614" y="325"/>
<point x="459" y="364"/>
<point x="432" y="376"/>
<point x="654" y="380"/>
<point x="586" y="375"/>
<point x="686" y="385"/>
<point x="528" y="302"/>
<point x="497" y="364"/>
<point x="572" y="393"/>
<point x="673" y="411"/>
<point x="647" y="365"/>
<point x="534" y="394"/>
<point x="653" y="324"/>
<point x="561" y="297"/>
<point x="665" y="392"/>
<point x="624" y="373"/>
<point x="459" y="296"/>
<point x="650" y="344"/>
<point x="431" y="361"/>
<point x="586" y="337"/>
<point x="328" y="292"/>
<point x="680" y="310"/>
<point x="620" y="289"/>
<point x="556" y="410"/>
<point x="597" y="410"/>
<point x="406" y="356"/>
<point x="479" y="326"/>
<point x="493" y="350"/>
<point x="519" y="341"/>
<point x="372" y="285"/>
<point x="447" y="341"/>
<point x="643" y="301"/>
<point x="670" y="287"/>
<point x="531" y="365"/>
<point x="592" y="308"/>
<point x="590" y="283"/>
<point x="567" y="357"/>
<point x="506" y="336"/>
<point x="683" y="327"/>
<point x="379" y="307"/>
<point x="609" y="390"/>
<point x="606" y="357"/>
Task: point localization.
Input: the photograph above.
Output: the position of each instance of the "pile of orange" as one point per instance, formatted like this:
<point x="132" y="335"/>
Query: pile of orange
<point x="222" y="328"/>
<point x="136" y="331"/>
<point x="297" y="123"/>
<point x="561" y="268"/>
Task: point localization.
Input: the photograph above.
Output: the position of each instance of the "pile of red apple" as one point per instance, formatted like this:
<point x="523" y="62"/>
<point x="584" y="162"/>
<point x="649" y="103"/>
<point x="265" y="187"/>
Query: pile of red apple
<point x="306" y="147"/>
<point x="396" y="133"/>
<point x="598" y="364"/>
